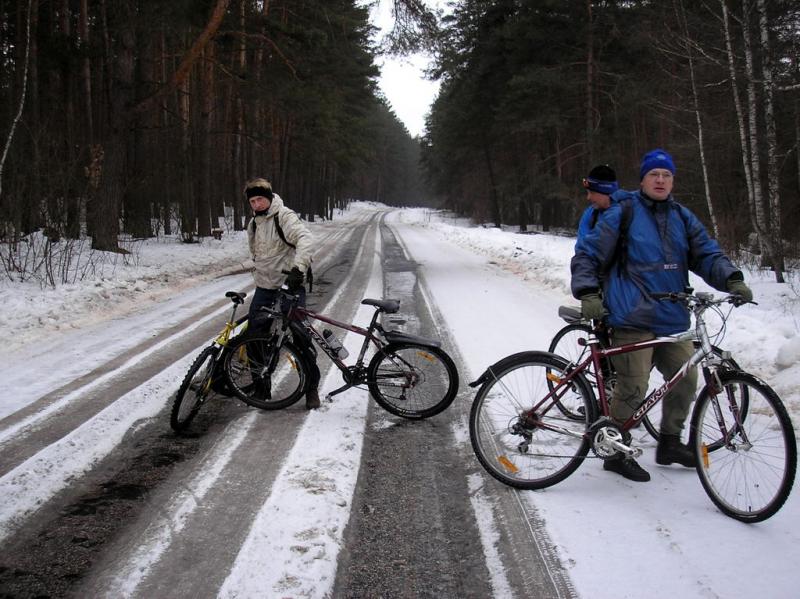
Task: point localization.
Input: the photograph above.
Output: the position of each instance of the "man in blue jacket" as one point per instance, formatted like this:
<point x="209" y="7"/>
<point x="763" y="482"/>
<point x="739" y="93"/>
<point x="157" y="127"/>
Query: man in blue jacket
<point x="599" y="184"/>
<point x="661" y="241"/>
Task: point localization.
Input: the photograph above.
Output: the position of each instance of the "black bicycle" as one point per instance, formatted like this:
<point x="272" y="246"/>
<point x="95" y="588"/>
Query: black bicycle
<point x="407" y="376"/>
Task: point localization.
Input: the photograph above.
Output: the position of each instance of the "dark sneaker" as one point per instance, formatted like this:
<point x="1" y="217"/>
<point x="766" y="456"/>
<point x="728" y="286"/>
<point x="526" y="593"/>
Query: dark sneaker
<point x="670" y="450"/>
<point x="628" y="468"/>
<point x="312" y="399"/>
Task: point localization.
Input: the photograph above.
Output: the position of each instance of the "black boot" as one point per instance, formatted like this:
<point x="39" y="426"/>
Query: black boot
<point x="670" y="451"/>
<point x="312" y="399"/>
<point x="628" y="468"/>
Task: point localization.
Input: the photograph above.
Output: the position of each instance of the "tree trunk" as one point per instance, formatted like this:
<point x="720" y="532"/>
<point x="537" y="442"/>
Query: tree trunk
<point x="21" y="98"/>
<point x="748" y="175"/>
<point x="589" y="86"/>
<point x="188" y="60"/>
<point x="187" y="199"/>
<point x="494" y="201"/>
<point x="687" y="44"/>
<point x="86" y="72"/>
<point x="205" y="210"/>
<point x="114" y="175"/>
<point x="772" y="148"/>
<point x="755" y="161"/>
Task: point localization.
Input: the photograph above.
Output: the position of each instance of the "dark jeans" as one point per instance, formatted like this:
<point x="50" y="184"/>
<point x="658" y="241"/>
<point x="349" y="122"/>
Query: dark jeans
<point x="259" y="323"/>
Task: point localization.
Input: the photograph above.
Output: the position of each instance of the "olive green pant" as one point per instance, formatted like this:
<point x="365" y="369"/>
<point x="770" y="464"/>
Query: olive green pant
<point x="633" y="373"/>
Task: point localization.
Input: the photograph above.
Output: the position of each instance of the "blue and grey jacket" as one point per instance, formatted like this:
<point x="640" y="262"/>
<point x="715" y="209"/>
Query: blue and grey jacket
<point x="591" y="215"/>
<point x="664" y="241"/>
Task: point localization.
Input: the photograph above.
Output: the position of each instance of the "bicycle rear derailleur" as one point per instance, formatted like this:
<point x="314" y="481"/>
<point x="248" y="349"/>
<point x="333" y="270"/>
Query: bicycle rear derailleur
<point x="608" y="440"/>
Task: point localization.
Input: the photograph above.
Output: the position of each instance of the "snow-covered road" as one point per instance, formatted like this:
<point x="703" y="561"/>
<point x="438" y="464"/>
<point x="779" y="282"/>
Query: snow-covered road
<point x="494" y="293"/>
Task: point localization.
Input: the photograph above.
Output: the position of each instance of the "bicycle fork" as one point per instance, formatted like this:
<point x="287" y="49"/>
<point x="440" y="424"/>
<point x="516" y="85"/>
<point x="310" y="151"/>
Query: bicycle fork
<point x="727" y="434"/>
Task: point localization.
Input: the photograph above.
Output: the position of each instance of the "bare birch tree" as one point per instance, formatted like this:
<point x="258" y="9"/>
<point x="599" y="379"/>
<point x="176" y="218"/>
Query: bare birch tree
<point x="687" y="45"/>
<point x="21" y="98"/>
<point x="761" y="224"/>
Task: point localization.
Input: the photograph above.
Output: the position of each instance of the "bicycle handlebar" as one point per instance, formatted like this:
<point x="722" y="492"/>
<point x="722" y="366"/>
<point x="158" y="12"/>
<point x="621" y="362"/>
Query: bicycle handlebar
<point x="700" y="298"/>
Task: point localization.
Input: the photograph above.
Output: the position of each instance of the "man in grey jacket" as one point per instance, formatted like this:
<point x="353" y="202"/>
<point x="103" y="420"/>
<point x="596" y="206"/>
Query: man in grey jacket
<point x="274" y="253"/>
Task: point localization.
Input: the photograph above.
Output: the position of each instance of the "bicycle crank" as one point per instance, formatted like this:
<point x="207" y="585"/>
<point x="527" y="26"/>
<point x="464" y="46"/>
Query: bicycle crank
<point x="608" y="440"/>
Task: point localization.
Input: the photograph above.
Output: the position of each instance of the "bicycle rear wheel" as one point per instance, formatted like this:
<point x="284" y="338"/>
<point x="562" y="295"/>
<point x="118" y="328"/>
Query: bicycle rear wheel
<point x="746" y="465"/>
<point x="526" y="448"/>
<point x="565" y="342"/>
<point x="263" y="377"/>
<point x="194" y="389"/>
<point x="411" y="380"/>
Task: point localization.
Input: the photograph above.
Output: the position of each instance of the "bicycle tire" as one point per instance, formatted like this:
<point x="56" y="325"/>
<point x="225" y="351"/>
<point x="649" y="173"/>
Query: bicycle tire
<point x="260" y="385"/>
<point x="748" y="481"/>
<point x="194" y="389"/>
<point x="565" y="342"/>
<point x="429" y="374"/>
<point x="497" y="429"/>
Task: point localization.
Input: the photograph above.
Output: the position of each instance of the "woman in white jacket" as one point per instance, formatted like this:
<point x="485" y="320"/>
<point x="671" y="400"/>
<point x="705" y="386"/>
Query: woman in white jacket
<point x="279" y="241"/>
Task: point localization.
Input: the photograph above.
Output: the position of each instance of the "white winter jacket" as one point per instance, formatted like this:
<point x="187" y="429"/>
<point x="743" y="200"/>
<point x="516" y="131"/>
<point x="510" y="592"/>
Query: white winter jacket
<point x="270" y="254"/>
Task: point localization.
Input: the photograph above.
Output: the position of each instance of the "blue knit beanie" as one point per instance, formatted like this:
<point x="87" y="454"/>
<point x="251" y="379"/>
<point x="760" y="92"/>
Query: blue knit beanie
<point x="657" y="158"/>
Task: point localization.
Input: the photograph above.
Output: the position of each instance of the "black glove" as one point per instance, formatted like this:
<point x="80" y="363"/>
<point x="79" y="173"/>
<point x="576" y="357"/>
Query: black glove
<point x="295" y="280"/>
<point x="743" y="291"/>
<point x="592" y="306"/>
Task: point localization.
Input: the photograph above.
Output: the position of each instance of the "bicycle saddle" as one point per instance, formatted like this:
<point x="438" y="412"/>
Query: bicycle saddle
<point x="235" y="297"/>
<point x="569" y="313"/>
<point x="389" y="306"/>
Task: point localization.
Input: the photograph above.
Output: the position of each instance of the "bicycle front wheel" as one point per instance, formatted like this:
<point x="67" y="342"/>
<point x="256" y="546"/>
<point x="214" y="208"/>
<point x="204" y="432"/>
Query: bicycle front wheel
<point x="194" y="389"/>
<point x="411" y="380"/>
<point x="746" y="465"/>
<point x="263" y="376"/>
<point x="520" y="439"/>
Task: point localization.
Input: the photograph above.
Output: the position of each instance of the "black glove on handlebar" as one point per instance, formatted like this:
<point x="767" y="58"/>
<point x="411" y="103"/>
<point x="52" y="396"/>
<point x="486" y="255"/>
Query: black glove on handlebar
<point x="743" y="291"/>
<point x="295" y="280"/>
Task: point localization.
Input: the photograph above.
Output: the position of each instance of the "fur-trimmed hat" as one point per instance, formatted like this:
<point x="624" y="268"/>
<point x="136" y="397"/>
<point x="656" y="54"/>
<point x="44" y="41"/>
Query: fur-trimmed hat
<point x="258" y="188"/>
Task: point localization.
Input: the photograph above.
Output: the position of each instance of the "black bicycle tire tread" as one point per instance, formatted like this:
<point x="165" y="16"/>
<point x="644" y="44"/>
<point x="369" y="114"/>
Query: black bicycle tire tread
<point x="181" y="425"/>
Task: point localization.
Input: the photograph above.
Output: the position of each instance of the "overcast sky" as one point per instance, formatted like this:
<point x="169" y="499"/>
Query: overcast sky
<point x="402" y="79"/>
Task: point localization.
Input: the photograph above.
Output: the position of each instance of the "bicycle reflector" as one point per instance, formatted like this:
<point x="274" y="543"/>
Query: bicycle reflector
<point x="704" y="453"/>
<point x="425" y="355"/>
<point x="507" y="464"/>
